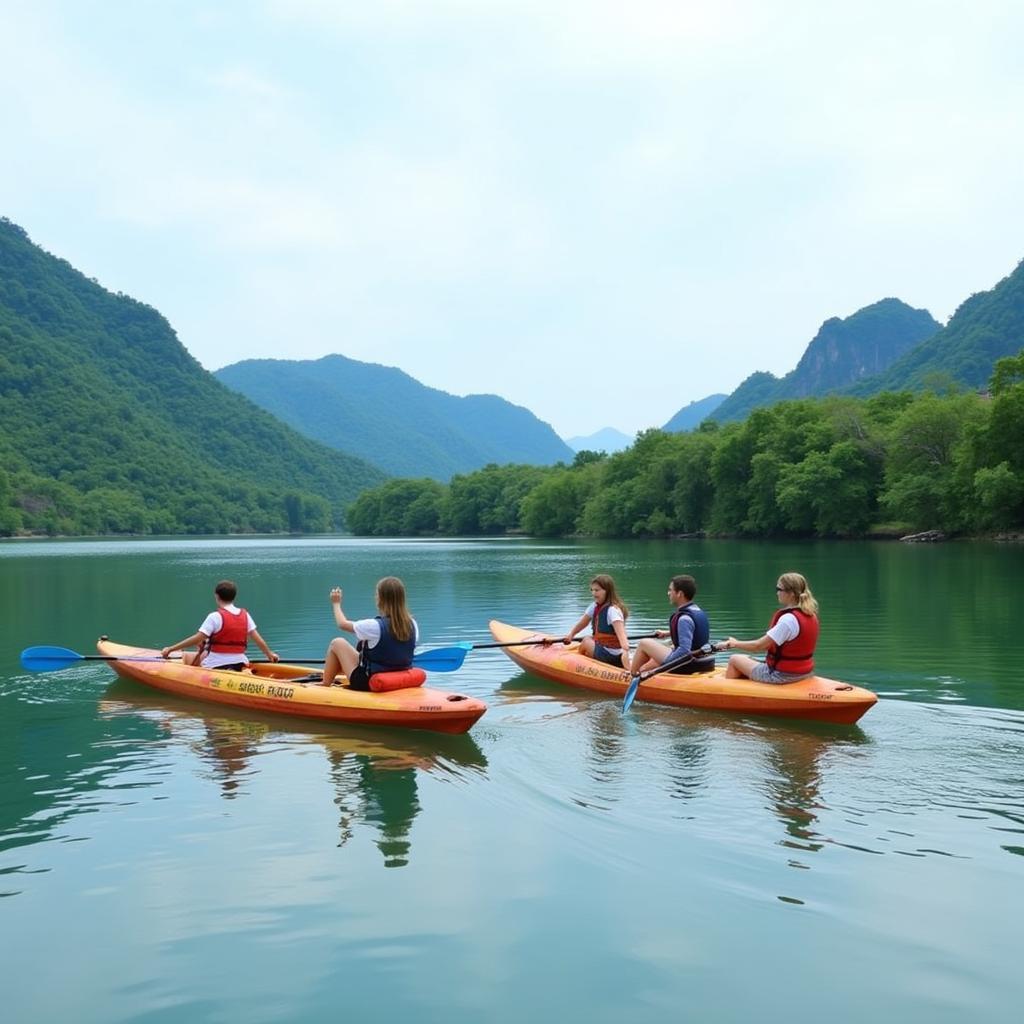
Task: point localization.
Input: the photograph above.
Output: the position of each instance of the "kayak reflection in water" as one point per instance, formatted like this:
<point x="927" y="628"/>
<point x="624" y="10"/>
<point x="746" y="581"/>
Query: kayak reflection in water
<point x="790" y="641"/>
<point x="607" y="615"/>
<point x="688" y="628"/>
<point x="378" y="794"/>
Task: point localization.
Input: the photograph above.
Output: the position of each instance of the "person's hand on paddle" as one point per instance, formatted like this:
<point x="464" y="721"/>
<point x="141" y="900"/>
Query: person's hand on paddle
<point x="661" y="634"/>
<point x="165" y="652"/>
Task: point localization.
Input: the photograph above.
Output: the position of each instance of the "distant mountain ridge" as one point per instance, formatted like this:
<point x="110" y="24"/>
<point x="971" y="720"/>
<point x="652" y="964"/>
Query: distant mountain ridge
<point x="843" y="352"/>
<point x="108" y="425"/>
<point x="692" y="415"/>
<point x="391" y="419"/>
<point x="607" y="439"/>
<point x="986" y="327"/>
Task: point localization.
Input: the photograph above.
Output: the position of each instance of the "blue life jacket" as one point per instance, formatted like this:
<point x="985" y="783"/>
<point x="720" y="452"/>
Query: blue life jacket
<point x="388" y="654"/>
<point x="701" y="626"/>
<point x="603" y="631"/>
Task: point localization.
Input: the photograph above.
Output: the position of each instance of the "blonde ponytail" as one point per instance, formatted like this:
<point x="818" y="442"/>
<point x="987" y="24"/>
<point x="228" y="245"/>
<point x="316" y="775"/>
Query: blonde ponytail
<point x="795" y="584"/>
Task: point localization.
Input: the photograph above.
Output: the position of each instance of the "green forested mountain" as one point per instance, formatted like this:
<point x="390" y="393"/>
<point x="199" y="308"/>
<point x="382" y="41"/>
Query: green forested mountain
<point x="388" y="418"/>
<point x="841" y="353"/>
<point x="108" y="425"/>
<point x="692" y="415"/>
<point x="987" y="327"/>
<point x="826" y="467"/>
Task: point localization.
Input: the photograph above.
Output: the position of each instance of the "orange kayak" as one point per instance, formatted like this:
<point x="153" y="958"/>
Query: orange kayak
<point x="817" y="698"/>
<point x="273" y="688"/>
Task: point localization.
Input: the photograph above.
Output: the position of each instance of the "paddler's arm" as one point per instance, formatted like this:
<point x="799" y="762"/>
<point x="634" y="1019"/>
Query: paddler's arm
<point x="732" y="644"/>
<point x="262" y="645"/>
<point x="575" y="629"/>
<point x="193" y="641"/>
<point x="339" y="616"/>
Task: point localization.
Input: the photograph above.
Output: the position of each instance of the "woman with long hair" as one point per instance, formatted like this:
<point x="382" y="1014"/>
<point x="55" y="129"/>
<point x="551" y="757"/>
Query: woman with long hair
<point x="607" y="615"/>
<point x="789" y="643"/>
<point x="385" y="643"/>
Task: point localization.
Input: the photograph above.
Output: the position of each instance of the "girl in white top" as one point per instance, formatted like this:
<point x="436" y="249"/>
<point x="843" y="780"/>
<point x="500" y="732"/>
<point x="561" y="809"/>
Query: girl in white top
<point x="793" y="594"/>
<point x="343" y="658"/>
<point x="608" y="643"/>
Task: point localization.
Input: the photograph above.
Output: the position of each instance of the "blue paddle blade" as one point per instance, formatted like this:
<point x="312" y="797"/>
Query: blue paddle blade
<point x="442" y="659"/>
<point x="48" y="659"/>
<point x="630" y="694"/>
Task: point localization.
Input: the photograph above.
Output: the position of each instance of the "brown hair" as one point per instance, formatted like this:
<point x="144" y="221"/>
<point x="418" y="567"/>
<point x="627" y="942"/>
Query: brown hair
<point x="793" y="583"/>
<point x="391" y="603"/>
<point x="685" y="585"/>
<point x="607" y="584"/>
<point x="226" y="590"/>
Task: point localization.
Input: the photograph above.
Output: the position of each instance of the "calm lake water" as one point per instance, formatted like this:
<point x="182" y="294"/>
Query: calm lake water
<point x="165" y="861"/>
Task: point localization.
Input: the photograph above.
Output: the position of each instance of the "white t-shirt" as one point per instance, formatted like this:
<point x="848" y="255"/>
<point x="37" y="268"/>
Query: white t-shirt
<point x="786" y="629"/>
<point x="212" y="624"/>
<point x="369" y="630"/>
<point x="614" y="615"/>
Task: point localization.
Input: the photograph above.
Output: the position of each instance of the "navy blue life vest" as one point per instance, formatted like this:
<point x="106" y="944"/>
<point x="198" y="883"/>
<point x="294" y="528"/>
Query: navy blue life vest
<point x="603" y="631"/>
<point x="388" y="654"/>
<point x="701" y="627"/>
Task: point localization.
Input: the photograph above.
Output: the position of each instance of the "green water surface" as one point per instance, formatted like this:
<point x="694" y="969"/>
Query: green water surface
<point x="166" y="861"/>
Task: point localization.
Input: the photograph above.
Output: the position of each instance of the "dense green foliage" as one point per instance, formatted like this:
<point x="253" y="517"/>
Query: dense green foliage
<point x="987" y="327"/>
<point x="108" y="425"/>
<point x="832" y="467"/>
<point x="842" y="352"/>
<point x="350" y="405"/>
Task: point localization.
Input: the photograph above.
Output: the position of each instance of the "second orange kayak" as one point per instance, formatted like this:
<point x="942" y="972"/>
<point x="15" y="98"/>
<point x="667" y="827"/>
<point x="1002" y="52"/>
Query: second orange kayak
<point x="816" y="698"/>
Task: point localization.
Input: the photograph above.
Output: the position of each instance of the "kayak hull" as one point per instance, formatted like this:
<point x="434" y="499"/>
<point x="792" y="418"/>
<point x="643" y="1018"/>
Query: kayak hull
<point x="272" y="688"/>
<point x="816" y="698"/>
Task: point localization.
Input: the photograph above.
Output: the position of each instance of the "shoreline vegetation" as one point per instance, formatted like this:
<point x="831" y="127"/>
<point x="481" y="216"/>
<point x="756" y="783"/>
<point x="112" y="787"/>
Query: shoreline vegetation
<point x="111" y="428"/>
<point x="897" y="463"/>
<point x="884" y="467"/>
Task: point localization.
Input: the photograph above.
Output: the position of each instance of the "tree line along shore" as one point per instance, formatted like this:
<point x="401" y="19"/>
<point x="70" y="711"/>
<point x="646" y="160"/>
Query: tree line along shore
<point x="834" y="467"/>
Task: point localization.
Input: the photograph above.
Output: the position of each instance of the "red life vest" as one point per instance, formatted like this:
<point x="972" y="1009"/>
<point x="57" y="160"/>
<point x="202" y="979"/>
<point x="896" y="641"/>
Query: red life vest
<point x="797" y="655"/>
<point x="233" y="635"/>
<point x="602" y="628"/>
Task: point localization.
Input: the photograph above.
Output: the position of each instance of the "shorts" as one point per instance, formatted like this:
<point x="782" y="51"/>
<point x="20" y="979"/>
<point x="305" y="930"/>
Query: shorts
<point x="238" y="666"/>
<point x="761" y="673"/>
<point x="688" y="668"/>
<point x="359" y="680"/>
<point x="602" y="654"/>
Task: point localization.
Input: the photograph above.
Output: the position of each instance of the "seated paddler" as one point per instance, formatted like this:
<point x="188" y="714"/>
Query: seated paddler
<point x="384" y="643"/>
<point x="689" y="630"/>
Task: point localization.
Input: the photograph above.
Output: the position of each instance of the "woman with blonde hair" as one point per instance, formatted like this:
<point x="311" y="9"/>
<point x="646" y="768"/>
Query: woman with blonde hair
<point x="385" y="643"/>
<point x="790" y="641"/>
<point x="607" y="613"/>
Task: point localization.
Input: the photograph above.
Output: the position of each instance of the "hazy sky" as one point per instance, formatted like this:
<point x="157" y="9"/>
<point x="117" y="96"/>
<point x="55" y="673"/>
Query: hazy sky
<point x="601" y="211"/>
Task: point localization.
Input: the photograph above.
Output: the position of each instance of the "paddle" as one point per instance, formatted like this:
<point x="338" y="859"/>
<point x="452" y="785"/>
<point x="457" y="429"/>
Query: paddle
<point x="53" y="659"/>
<point x="437" y="659"/>
<point x="703" y="652"/>
<point x="547" y="642"/>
